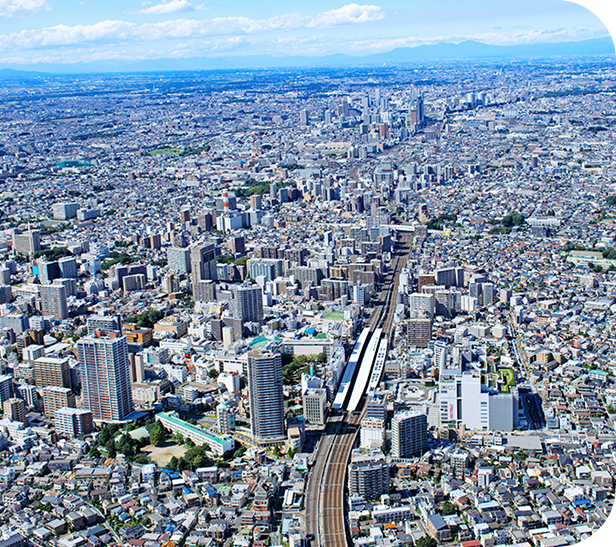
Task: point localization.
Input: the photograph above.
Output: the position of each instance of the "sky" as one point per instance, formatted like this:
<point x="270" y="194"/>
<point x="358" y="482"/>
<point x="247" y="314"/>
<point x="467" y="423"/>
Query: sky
<point x="82" y="31"/>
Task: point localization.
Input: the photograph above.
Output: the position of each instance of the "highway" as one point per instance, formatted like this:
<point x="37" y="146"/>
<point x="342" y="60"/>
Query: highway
<point x="325" y="496"/>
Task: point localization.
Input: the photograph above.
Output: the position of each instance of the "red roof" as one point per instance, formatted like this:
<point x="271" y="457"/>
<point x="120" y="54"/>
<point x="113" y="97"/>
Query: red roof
<point x="471" y="543"/>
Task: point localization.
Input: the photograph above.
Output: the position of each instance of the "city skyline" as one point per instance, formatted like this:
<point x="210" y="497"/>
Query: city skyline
<point x="40" y="32"/>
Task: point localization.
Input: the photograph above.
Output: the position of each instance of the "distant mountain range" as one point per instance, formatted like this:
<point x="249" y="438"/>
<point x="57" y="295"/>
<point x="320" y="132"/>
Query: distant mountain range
<point x="468" y="50"/>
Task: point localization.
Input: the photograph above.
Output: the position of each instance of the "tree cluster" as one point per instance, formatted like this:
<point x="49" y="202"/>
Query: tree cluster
<point x="147" y="319"/>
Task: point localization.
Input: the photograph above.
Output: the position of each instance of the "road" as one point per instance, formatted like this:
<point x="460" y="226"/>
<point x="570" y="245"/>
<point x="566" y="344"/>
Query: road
<point x="325" y="498"/>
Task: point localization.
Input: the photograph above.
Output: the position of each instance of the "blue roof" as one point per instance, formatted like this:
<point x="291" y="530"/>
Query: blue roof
<point x="582" y="502"/>
<point x="186" y="490"/>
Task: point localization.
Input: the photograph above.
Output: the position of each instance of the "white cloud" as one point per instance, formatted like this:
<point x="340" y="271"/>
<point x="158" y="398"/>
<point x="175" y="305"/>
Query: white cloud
<point x="19" y="8"/>
<point x="113" y="31"/>
<point x="171" y="6"/>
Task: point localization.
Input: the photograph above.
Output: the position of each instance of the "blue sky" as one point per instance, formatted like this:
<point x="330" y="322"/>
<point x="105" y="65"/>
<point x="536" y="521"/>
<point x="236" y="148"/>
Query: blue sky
<point x="71" y="31"/>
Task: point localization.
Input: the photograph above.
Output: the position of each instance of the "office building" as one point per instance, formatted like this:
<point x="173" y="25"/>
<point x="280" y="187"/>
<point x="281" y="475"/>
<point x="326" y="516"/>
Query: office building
<point x="315" y="405"/>
<point x="248" y="303"/>
<point x="203" y="262"/>
<point x="52" y="371"/>
<point x="55" y="397"/>
<point x="265" y="396"/>
<point x="409" y="434"/>
<point x="105" y="376"/>
<point x="15" y="409"/>
<point x="178" y="259"/>
<point x="465" y="400"/>
<point x="372" y="433"/>
<point x="53" y="301"/>
<point x="361" y="294"/>
<point x="73" y="422"/>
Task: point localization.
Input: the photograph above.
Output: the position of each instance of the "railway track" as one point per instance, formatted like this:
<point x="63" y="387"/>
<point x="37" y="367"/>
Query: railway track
<point x="325" y="500"/>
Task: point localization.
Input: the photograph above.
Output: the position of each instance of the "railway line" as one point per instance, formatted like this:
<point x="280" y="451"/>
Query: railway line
<point x="325" y="499"/>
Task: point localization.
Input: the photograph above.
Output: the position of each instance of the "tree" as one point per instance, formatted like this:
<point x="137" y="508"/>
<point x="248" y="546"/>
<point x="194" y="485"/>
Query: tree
<point x="213" y="373"/>
<point x="449" y="508"/>
<point x="179" y="438"/>
<point x="125" y="445"/>
<point x="94" y="453"/>
<point x="111" y="449"/>
<point x="158" y="435"/>
<point x="426" y="541"/>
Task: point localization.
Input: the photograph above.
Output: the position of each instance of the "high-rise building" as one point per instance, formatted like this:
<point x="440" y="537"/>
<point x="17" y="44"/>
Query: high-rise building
<point x="6" y="387"/>
<point x="64" y="211"/>
<point x="265" y="396"/>
<point x="409" y="434"/>
<point x="204" y="291"/>
<point x="105" y="376"/>
<point x="106" y="323"/>
<point x="248" y="302"/>
<point x="225" y="419"/>
<point x="307" y="276"/>
<point x="303" y="117"/>
<point x="68" y="267"/>
<point x="203" y="262"/>
<point x="15" y="409"/>
<point x="419" y="331"/>
<point x="6" y="294"/>
<point x="27" y="242"/>
<point x="315" y="405"/>
<point x="269" y="268"/>
<point x="53" y="301"/>
<point x="255" y="201"/>
<point x="238" y="244"/>
<point x="422" y="302"/>
<point x="368" y="474"/>
<point x="73" y="422"/>
<point x="178" y="259"/>
<point x="52" y="371"/>
<point x="29" y="394"/>
<point x="47" y="271"/>
<point x="55" y="397"/>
